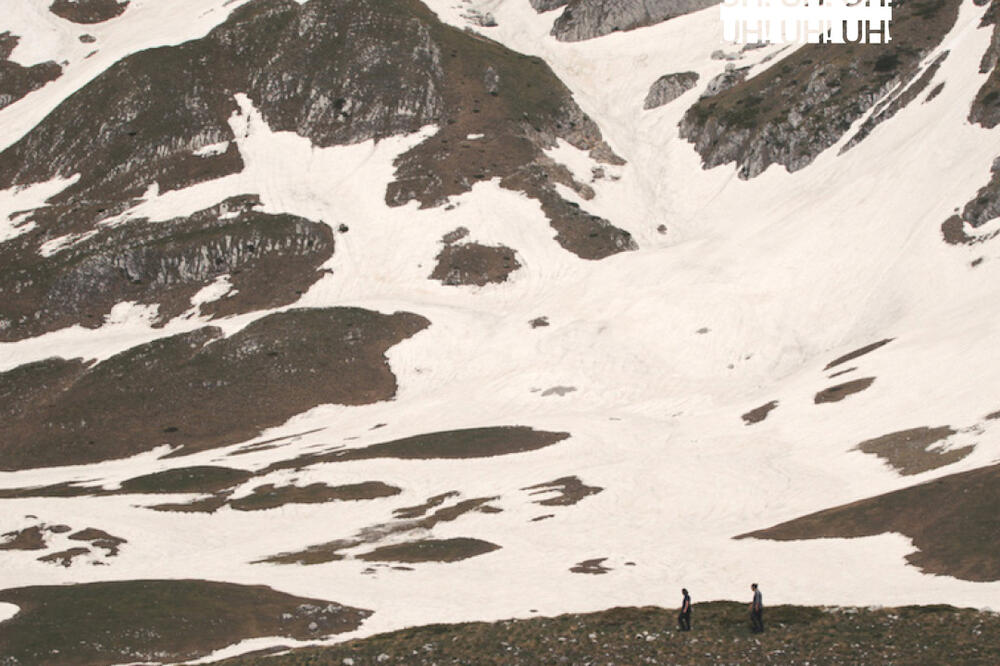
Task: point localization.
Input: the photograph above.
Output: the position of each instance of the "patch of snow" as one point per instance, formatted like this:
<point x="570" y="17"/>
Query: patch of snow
<point x="473" y="137"/>
<point x="17" y="200"/>
<point x="7" y="611"/>
<point x="212" y="149"/>
<point x="60" y="243"/>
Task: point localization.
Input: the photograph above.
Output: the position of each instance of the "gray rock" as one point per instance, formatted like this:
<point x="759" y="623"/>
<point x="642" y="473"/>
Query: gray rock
<point x="726" y="80"/>
<point x="669" y="87"/>
<point x="586" y="19"/>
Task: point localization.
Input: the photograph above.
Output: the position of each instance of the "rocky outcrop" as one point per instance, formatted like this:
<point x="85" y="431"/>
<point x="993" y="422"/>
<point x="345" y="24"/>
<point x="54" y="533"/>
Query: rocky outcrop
<point x="669" y="87"/>
<point x="985" y="108"/>
<point x="333" y="71"/>
<point x="802" y="105"/>
<point x="16" y="80"/>
<point x="88" y="11"/>
<point x="984" y="207"/>
<point x="586" y="19"/>
<point x="197" y="390"/>
<point x="269" y="261"/>
<point x="729" y="77"/>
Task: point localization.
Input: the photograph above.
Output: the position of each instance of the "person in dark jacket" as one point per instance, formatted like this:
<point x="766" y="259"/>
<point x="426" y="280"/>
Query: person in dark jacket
<point x="684" y="617"/>
<point x="756" y="610"/>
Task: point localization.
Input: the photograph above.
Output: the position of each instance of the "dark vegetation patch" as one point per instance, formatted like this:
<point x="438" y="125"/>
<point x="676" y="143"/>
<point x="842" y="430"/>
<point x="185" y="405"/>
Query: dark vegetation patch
<point x="209" y="504"/>
<point x="269" y="497"/>
<point x="465" y="443"/>
<point x="30" y="538"/>
<point x="430" y="550"/>
<point x="16" y="80"/>
<point x="410" y="512"/>
<point x="65" y="558"/>
<point x="586" y="19"/>
<point x="99" y="539"/>
<point x="953" y="522"/>
<point x="758" y="414"/>
<point x="88" y="11"/>
<point x="593" y="567"/>
<point x="335" y="72"/>
<point x="568" y="491"/>
<point x="475" y="264"/>
<point x="907" y="450"/>
<point x="198" y="390"/>
<point x="156" y="620"/>
<point x="270" y="260"/>
<point x="720" y="635"/>
<point x="841" y="372"/>
<point x="408" y="519"/>
<point x="539" y="322"/>
<point x="200" y="479"/>
<point x="802" y="105"/>
<point x="841" y="391"/>
<point x="861" y="351"/>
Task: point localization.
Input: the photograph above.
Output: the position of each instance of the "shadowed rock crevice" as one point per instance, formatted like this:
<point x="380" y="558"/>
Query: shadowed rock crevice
<point x="16" y="80"/>
<point x="268" y="261"/>
<point x="157" y="620"/>
<point x="952" y="521"/>
<point x="198" y="390"/>
<point x="803" y="104"/>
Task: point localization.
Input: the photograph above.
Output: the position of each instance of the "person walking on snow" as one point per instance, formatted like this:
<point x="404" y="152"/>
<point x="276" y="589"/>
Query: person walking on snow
<point x="756" y="610"/>
<point x="684" y="617"/>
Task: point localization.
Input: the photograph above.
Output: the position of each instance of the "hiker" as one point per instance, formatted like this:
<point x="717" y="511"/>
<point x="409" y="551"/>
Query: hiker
<point x="684" y="617"/>
<point x="756" y="611"/>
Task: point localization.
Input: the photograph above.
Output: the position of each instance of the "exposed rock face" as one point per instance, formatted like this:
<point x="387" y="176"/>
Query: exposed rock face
<point x="197" y="390"/>
<point x="983" y="208"/>
<point x="321" y="69"/>
<point x="726" y="80"/>
<point x="586" y="19"/>
<point x="335" y="72"/>
<point x="891" y="105"/>
<point x="16" y="80"/>
<point x="88" y="11"/>
<point x="270" y="261"/>
<point x="802" y="105"/>
<point x="669" y="87"/>
<point x="986" y="106"/>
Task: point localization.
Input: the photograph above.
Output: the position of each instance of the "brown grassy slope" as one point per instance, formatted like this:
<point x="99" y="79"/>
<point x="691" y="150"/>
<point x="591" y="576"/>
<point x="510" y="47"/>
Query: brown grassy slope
<point x="720" y="635"/>
<point x="953" y="521"/>
<point x="161" y="620"/>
